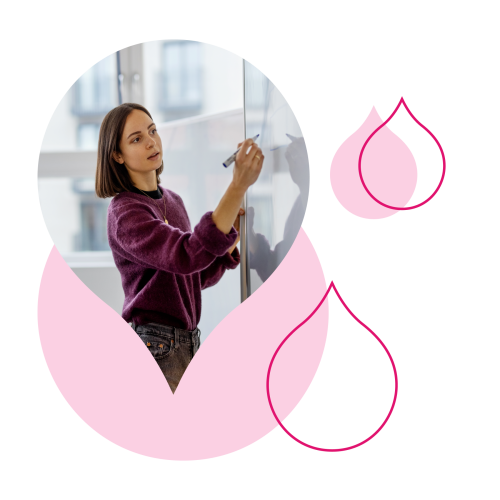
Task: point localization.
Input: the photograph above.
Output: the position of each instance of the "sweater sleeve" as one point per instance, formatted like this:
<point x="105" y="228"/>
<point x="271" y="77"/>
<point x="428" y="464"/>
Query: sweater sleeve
<point x="213" y="273"/>
<point x="150" y="242"/>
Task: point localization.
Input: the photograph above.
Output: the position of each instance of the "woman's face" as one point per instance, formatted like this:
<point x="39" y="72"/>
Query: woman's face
<point x="140" y="145"/>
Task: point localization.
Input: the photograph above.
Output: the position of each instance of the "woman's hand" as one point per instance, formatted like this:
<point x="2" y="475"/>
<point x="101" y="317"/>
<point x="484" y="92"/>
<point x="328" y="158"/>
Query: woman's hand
<point x="247" y="166"/>
<point x="246" y="171"/>
<point x="237" y="227"/>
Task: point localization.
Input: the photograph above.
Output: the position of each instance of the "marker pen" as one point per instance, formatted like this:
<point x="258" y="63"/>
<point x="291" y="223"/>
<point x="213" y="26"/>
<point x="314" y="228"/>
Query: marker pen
<point x="233" y="156"/>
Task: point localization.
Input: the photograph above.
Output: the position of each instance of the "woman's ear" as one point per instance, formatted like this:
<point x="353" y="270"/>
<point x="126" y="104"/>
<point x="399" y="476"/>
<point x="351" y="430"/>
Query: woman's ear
<point x="118" y="157"/>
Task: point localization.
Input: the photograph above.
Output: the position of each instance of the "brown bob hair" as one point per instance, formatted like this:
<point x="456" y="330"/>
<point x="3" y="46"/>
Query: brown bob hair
<point x="112" y="177"/>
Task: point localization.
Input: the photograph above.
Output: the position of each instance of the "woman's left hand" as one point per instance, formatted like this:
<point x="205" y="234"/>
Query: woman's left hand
<point x="237" y="227"/>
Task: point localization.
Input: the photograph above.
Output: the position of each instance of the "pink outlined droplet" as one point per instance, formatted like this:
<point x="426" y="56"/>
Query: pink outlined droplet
<point x="402" y="101"/>
<point x="332" y="286"/>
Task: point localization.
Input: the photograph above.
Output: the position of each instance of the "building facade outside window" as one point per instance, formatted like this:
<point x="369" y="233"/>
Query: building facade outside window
<point x="94" y="94"/>
<point x="181" y="75"/>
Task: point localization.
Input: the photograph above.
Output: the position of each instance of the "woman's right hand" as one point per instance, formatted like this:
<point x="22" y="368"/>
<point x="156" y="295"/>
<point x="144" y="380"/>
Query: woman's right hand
<point x="246" y="171"/>
<point x="247" y="165"/>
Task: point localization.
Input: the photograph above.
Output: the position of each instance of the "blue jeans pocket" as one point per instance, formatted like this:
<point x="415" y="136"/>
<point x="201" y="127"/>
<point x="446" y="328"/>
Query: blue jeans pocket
<point x="159" y="347"/>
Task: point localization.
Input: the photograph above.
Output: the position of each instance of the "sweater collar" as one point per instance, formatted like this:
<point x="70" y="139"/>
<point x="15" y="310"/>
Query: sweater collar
<point x="156" y="194"/>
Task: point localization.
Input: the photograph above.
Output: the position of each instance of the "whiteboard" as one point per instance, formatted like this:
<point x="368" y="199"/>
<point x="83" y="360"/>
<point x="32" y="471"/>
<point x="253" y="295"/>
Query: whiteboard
<point x="276" y="203"/>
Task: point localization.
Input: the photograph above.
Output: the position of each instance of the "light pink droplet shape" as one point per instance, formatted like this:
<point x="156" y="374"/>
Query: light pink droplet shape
<point x="110" y="379"/>
<point x="389" y="169"/>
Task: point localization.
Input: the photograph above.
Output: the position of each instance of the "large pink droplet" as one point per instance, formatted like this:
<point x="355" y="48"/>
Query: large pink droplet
<point x="389" y="169"/>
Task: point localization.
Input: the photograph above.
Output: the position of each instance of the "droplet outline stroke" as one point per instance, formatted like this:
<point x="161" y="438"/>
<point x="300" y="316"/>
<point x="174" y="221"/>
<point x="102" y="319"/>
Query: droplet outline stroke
<point x="332" y="286"/>
<point x="402" y="101"/>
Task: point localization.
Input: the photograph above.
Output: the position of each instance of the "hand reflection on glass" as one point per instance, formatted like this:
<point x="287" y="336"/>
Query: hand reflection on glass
<point x="261" y="257"/>
<point x="298" y="163"/>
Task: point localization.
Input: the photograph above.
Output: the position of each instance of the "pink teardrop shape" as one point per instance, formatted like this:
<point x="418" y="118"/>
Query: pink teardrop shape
<point x="389" y="167"/>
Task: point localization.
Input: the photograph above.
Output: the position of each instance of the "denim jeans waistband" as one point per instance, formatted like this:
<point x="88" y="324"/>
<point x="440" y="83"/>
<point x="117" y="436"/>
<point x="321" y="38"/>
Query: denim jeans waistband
<point x="168" y="331"/>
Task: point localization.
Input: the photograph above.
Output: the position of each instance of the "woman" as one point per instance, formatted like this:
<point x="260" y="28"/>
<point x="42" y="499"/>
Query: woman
<point x="163" y="263"/>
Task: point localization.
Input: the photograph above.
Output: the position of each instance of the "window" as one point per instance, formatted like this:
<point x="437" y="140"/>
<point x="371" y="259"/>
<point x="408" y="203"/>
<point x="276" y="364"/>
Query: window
<point x="93" y="212"/>
<point x="88" y="136"/>
<point x="181" y="67"/>
<point x="95" y="92"/>
<point x="75" y="217"/>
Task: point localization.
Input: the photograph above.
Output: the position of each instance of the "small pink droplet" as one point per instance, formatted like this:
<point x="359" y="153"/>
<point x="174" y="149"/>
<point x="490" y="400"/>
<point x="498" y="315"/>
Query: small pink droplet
<point x="388" y="166"/>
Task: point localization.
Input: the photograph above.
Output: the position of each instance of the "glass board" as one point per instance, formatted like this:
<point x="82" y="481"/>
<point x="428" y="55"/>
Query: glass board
<point x="276" y="203"/>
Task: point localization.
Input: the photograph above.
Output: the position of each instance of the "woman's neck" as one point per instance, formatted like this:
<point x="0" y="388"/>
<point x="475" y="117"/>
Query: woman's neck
<point x="145" y="182"/>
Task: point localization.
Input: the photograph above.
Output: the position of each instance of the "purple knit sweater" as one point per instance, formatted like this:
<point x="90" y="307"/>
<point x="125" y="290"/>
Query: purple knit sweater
<point x="164" y="267"/>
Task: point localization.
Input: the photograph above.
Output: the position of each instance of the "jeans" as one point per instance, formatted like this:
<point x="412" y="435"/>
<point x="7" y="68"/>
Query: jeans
<point x="172" y="348"/>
